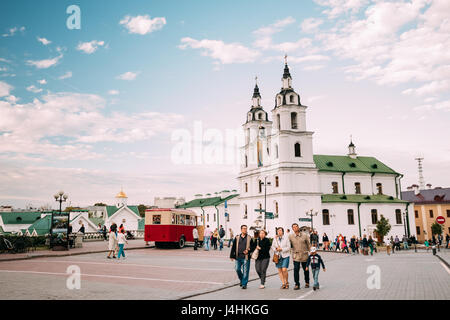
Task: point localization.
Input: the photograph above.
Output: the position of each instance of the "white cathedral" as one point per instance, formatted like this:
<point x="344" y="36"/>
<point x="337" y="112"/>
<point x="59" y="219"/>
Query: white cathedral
<point x="279" y="172"/>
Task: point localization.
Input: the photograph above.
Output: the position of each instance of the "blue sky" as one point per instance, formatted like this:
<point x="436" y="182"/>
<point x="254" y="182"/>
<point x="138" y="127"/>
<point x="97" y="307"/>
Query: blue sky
<point x="92" y="110"/>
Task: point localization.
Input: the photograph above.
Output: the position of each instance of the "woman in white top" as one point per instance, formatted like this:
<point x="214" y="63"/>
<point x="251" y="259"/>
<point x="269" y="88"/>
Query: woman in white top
<point x="112" y="242"/>
<point x="282" y="247"/>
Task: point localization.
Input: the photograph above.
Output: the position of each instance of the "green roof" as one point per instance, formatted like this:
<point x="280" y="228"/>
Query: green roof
<point x="110" y="210"/>
<point x="363" y="198"/>
<point x="141" y="224"/>
<point x="206" y="202"/>
<point x="42" y="226"/>
<point x="97" y="220"/>
<point x="346" y="164"/>
<point x="26" y="217"/>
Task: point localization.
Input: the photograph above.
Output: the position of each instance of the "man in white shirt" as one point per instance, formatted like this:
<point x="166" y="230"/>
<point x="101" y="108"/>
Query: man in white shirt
<point x="195" y="235"/>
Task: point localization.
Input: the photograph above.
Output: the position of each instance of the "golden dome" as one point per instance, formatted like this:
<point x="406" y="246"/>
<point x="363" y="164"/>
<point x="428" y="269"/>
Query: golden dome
<point x="121" y="194"/>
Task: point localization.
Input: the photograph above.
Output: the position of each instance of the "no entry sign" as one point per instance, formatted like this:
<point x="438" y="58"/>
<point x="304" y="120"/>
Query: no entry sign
<point x="440" y="220"/>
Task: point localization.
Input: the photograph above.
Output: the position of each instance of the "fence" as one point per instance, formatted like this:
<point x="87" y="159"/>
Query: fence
<point x="98" y="236"/>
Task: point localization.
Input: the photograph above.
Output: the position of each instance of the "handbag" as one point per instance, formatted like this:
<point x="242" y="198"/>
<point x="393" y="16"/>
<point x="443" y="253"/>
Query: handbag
<point x="255" y="253"/>
<point x="276" y="257"/>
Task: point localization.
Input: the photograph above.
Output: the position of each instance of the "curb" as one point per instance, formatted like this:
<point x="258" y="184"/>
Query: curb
<point x="67" y="254"/>
<point x="443" y="260"/>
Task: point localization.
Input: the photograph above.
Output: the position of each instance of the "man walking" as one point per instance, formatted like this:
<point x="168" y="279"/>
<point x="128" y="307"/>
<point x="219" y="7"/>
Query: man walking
<point x="241" y="251"/>
<point x="221" y="237"/>
<point x="300" y="248"/>
<point x="195" y="236"/>
<point x="206" y="236"/>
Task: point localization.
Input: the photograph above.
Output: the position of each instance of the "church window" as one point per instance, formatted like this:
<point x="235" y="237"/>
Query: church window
<point x="260" y="206"/>
<point x="431" y="214"/>
<point x="259" y="116"/>
<point x="350" y="216"/>
<point x="325" y="217"/>
<point x="398" y="216"/>
<point x="276" y="208"/>
<point x="276" y="151"/>
<point x="374" y="216"/>
<point x="291" y="99"/>
<point x="334" y="186"/>
<point x="278" y="122"/>
<point x="246" y="187"/>
<point x="357" y="188"/>
<point x="245" y="211"/>
<point x="297" y="150"/>
<point x="294" y="120"/>
<point x="277" y="181"/>
<point x="246" y="161"/>
<point x="379" y="188"/>
<point x="279" y="100"/>
<point x="260" y="186"/>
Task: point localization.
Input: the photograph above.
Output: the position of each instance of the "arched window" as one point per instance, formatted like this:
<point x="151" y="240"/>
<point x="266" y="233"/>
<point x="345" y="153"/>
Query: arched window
<point x="357" y="188"/>
<point x="334" y="186"/>
<point x="325" y="217"/>
<point x="398" y="216"/>
<point x="246" y="187"/>
<point x="260" y="207"/>
<point x="276" y="151"/>
<point x="260" y="116"/>
<point x="379" y="188"/>
<point x="278" y="122"/>
<point x="276" y="208"/>
<point x="260" y="186"/>
<point x="291" y="99"/>
<point x="245" y="211"/>
<point x="297" y="150"/>
<point x="246" y="161"/>
<point x="350" y="216"/>
<point x="293" y="120"/>
<point x="279" y="100"/>
<point x="374" y="216"/>
<point x="277" y="181"/>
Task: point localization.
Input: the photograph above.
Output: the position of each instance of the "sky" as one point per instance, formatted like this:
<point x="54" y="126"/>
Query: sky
<point x="103" y="96"/>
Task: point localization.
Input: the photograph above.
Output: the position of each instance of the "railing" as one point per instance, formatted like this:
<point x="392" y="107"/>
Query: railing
<point x="98" y="236"/>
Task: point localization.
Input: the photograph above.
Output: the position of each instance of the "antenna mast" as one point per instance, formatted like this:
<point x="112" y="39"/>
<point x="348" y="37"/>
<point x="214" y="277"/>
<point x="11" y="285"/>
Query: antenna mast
<point x="421" y="179"/>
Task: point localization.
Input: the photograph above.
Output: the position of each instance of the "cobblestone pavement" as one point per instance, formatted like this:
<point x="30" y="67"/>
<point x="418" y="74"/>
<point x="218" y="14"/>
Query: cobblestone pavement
<point x="173" y="274"/>
<point x="404" y="275"/>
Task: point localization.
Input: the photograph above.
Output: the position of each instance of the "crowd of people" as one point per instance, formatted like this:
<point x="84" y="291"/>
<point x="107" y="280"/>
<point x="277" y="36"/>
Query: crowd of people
<point x="117" y="241"/>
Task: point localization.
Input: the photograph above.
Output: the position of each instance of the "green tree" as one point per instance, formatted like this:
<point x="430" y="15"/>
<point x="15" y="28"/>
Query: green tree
<point x="383" y="228"/>
<point x="436" y="228"/>
<point x="141" y="209"/>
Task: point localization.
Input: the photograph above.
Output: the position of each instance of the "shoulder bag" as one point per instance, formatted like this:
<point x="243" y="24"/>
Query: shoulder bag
<point x="276" y="257"/>
<point x="255" y="253"/>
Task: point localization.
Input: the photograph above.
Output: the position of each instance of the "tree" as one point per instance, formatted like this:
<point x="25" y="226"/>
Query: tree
<point x="436" y="228"/>
<point x="141" y="209"/>
<point x="100" y="204"/>
<point x="383" y="228"/>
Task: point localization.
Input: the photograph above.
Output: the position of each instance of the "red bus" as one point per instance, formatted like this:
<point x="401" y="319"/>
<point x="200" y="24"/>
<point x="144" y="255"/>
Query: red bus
<point x="164" y="226"/>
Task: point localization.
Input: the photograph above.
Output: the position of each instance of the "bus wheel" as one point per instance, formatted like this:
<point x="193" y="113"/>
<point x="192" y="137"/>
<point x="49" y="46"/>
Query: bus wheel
<point x="181" y="243"/>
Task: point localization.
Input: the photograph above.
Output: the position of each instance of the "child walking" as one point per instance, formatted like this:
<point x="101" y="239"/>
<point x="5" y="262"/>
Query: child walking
<point x="121" y="240"/>
<point x="315" y="260"/>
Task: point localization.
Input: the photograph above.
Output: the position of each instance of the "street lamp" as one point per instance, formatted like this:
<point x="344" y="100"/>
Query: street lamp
<point x="265" y="184"/>
<point x="404" y="221"/>
<point x="311" y="214"/>
<point x="60" y="197"/>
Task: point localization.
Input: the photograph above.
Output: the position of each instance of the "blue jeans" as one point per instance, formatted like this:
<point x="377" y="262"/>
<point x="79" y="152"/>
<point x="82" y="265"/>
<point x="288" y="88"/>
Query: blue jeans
<point x="315" y="273"/>
<point x="242" y="270"/>
<point x="121" y="252"/>
<point x="206" y="243"/>
<point x="220" y="244"/>
<point x="405" y="245"/>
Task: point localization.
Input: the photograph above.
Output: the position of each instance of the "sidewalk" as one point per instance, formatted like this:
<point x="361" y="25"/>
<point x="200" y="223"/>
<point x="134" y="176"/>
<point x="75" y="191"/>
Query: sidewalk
<point x="88" y="247"/>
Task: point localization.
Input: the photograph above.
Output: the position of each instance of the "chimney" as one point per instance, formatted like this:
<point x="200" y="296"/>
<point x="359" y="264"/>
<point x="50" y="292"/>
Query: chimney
<point x="416" y="189"/>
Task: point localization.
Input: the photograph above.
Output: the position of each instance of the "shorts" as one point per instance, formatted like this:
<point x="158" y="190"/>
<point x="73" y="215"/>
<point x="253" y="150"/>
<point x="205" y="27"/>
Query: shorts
<point x="283" y="263"/>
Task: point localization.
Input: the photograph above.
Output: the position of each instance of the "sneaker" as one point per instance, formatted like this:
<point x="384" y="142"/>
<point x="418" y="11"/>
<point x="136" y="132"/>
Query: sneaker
<point x="108" y="257"/>
<point x="307" y="285"/>
<point x="244" y="287"/>
<point x="314" y="288"/>
<point x="297" y="287"/>
<point x="262" y="286"/>
<point x="114" y="257"/>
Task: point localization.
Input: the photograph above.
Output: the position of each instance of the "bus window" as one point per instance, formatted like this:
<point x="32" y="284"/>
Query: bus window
<point x="173" y="218"/>
<point x="188" y="220"/>
<point x="182" y="219"/>
<point x="157" y="219"/>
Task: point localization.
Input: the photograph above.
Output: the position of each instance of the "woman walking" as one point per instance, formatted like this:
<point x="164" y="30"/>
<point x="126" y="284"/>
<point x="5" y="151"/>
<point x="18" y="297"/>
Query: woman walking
<point x="121" y="240"/>
<point x="282" y="247"/>
<point x="262" y="262"/>
<point x="112" y="243"/>
<point x="214" y="239"/>
<point x="371" y="244"/>
<point x="326" y="242"/>
<point x="353" y="244"/>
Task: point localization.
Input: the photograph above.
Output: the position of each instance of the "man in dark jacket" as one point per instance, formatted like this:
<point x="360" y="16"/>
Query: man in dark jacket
<point x="241" y="251"/>
<point x="221" y="237"/>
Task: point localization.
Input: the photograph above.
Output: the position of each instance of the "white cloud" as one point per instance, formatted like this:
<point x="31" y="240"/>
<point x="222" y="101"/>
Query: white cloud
<point x="5" y="60"/>
<point x="338" y="7"/>
<point x="66" y="75"/>
<point x="310" y="24"/>
<point x="224" y="53"/>
<point x="313" y="67"/>
<point x="128" y="76"/>
<point x="44" y="41"/>
<point x="43" y="81"/>
<point x="90" y="47"/>
<point x="5" y="88"/>
<point x="46" y="63"/>
<point x="34" y="89"/>
<point x="12" y="31"/>
<point x="142" y="24"/>
<point x="113" y="92"/>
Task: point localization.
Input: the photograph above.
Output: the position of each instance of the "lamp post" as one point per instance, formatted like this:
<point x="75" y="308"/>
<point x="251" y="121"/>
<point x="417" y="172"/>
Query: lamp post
<point x="404" y="221"/>
<point x="265" y="184"/>
<point x="60" y="197"/>
<point x="311" y="214"/>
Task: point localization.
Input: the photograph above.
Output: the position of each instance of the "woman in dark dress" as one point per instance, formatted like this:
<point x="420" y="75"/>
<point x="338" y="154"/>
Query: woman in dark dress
<point x="262" y="262"/>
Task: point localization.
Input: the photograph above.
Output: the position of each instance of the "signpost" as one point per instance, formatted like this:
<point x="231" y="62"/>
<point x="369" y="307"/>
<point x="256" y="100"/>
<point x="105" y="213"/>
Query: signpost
<point x="269" y="215"/>
<point x="440" y="220"/>
<point x="304" y="219"/>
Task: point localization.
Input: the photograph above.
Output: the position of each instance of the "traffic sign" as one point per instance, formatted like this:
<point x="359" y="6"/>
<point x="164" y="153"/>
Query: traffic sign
<point x="440" y="220"/>
<point x="259" y="210"/>
<point x="304" y="219"/>
<point x="269" y="215"/>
